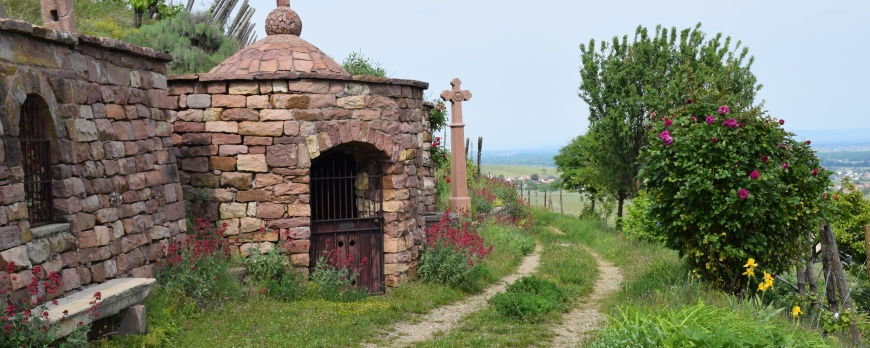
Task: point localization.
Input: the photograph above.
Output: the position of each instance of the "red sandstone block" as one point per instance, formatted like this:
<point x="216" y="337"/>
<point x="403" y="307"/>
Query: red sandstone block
<point x="219" y="87"/>
<point x="188" y="127"/>
<point x="228" y="101"/>
<point x="223" y="138"/>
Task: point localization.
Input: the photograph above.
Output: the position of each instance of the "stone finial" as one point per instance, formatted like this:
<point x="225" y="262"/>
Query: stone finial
<point x="283" y="20"/>
<point x="58" y="15"/>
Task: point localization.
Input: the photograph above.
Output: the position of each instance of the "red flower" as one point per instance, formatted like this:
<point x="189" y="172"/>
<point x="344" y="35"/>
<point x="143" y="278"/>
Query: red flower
<point x="714" y="140"/>
<point x="815" y="171"/>
<point x="809" y="142"/>
<point x="743" y="193"/>
<point x="764" y="159"/>
<point x="668" y="122"/>
<point x="781" y="121"/>
<point x="754" y="175"/>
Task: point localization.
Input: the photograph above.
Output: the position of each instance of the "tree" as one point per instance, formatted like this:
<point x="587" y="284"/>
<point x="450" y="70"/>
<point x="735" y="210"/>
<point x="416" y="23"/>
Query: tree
<point x="578" y="171"/>
<point x="535" y="177"/>
<point x="624" y="82"/>
<point x="727" y="187"/>
<point x="194" y="41"/>
<point x="501" y="176"/>
<point x="850" y="214"/>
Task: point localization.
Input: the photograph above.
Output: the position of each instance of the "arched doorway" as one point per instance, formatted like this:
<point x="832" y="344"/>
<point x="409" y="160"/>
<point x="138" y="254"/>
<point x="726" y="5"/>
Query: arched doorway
<point x="35" y="140"/>
<point x="347" y="214"/>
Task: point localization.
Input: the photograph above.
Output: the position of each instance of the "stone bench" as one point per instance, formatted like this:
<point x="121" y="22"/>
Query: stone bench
<point x="117" y="295"/>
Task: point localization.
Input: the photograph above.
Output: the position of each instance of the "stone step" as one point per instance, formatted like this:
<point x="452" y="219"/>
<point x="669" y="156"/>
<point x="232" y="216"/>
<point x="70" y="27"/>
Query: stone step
<point x="116" y="294"/>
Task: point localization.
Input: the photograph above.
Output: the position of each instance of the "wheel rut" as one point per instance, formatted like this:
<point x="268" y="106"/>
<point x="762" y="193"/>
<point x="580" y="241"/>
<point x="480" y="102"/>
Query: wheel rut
<point x="581" y="324"/>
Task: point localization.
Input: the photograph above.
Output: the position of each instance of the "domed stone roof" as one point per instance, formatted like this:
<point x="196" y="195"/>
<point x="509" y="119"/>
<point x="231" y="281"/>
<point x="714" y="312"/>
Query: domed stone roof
<point x="281" y="51"/>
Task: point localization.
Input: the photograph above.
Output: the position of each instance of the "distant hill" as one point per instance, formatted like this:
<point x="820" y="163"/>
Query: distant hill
<point x="538" y="157"/>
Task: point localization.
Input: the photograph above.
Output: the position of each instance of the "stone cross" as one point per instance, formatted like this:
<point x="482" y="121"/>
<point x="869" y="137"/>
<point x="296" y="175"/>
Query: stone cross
<point x="459" y="186"/>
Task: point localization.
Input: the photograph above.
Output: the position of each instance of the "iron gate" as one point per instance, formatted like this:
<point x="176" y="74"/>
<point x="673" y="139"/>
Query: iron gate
<point x="36" y="160"/>
<point x="347" y="216"/>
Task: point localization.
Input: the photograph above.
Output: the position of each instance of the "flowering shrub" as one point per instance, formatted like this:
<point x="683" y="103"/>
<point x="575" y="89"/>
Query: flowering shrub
<point x="24" y="321"/>
<point x="850" y="214"/>
<point x="335" y="279"/>
<point x="752" y="191"/>
<point x="196" y="265"/>
<point x="482" y="200"/>
<point x="453" y="256"/>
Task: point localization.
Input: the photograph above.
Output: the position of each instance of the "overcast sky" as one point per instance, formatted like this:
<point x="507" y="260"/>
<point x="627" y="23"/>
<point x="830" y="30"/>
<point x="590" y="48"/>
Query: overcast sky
<point x="520" y="59"/>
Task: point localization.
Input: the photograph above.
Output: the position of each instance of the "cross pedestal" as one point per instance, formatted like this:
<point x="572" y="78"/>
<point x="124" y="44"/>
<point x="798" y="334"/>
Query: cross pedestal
<point x="459" y="199"/>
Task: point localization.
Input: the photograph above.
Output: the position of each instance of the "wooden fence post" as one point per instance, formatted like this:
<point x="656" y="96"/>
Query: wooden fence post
<point x="561" y="204"/>
<point x="545" y="199"/>
<point x="840" y="277"/>
<point x="867" y="245"/>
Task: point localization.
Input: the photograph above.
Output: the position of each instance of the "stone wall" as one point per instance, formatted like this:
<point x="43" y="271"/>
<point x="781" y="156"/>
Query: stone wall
<point x="249" y="146"/>
<point x="115" y="182"/>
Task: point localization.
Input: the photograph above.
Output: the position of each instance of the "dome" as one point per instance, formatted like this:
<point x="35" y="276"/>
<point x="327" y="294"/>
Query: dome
<point x="281" y="51"/>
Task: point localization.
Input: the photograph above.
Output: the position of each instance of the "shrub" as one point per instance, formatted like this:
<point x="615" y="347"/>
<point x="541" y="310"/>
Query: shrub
<point x="530" y="298"/>
<point x="482" y="200"/>
<point x="265" y="266"/>
<point x="453" y="256"/>
<point x="358" y="64"/>
<point x="638" y="223"/>
<point x="726" y="186"/>
<point x="196" y="265"/>
<point x="850" y="214"/>
<point x="195" y="43"/>
<point x="334" y="279"/>
<point x="288" y="287"/>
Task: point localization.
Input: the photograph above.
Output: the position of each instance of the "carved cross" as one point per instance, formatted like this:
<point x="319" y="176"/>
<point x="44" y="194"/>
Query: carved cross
<point x="456" y="96"/>
<point x="459" y="199"/>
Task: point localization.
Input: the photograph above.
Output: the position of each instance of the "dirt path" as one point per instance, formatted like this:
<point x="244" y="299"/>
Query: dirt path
<point x="445" y="318"/>
<point x="580" y="324"/>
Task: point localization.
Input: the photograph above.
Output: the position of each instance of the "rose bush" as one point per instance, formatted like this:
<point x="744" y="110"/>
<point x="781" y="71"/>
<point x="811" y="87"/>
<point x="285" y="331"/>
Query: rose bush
<point x="725" y="185"/>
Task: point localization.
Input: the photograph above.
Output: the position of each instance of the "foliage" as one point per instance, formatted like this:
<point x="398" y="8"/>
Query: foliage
<point x="453" y="256"/>
<point x="439" y="154"/>
<point x="624" y="81"/>
<point x="438" y="116"/>
<point x="196" y="266"/>
<point x="732" y="186"/>
<point x="580" y="172"/>
<point x="639" y="224"/>
<point x="850" y="214"/>
<point x="358" y="64"/>
<point x="195" y="42"/>
<point x="24" y="322"/>
<point x="334" y="279"/>
<point x="265" y="266"/>
<point x="482" y="200"/>
<point x="504" y="234"/>
<point x="529" y="298"/>
<point x="102" y="18"/>
<point x="703" y="325"/>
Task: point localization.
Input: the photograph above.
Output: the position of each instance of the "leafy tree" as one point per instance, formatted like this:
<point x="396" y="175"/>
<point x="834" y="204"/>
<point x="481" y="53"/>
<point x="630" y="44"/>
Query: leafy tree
<point x="157" y="9"/>
<point x="358" y="64"/>
<point x="727" y="186"/>
<point x="623" y="82"/>
<point x="194" y="41"/>
<point x="579" y="172"/>
<point x="501" y="176"/>
<point x="535" y="177"/>
<point x="851" y="213"/>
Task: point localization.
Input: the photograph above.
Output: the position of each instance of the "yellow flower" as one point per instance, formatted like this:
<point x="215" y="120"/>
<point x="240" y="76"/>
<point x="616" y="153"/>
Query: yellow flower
<point x="751" y="263"/>
<point x="749" y="272"/>
<point x="768" y="280"/>
<point x="796" y="312"/>
<point x="762" y="286"/>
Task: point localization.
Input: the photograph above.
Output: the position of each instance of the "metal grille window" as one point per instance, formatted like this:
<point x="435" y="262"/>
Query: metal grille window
<point x="36" y="159"/>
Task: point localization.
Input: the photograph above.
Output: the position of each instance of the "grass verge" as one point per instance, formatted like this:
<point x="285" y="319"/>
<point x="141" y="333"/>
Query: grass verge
<point x="661" y="305"/>
<point x="564" y="262"/>
<point x="258" y="321"/>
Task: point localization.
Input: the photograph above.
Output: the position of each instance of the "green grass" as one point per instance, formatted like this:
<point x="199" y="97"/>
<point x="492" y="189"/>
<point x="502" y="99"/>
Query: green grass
<point x="258" y="321"/>
<point x="109" y="18"/>
<point x="658" y="291"/>
<point x="564" y="262"/>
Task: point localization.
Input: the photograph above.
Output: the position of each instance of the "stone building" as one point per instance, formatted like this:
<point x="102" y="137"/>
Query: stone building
<point x="88" y="186"/>
<point x="283" y="140"/>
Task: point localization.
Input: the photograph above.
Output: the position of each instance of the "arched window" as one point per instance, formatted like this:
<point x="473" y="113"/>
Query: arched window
<point x="36" y="160"/>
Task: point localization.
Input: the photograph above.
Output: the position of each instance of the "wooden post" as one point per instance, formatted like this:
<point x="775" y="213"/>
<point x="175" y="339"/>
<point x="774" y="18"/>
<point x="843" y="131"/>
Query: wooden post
<point x="479" y="147"/>
<point x="840" y="277"/>
<point x="536" y="198"/>
<point x="561" y="205"/>
<point x="545" y="199"/>
<point x="867" y="245"/>
<point x="827" y="272"/>
<point x="811" y="277"/>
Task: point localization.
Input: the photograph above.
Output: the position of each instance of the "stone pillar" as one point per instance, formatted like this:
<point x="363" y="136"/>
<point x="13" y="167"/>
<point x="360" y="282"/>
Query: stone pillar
<point x="58" y="15"/>
<point x="459" y="186"/>
<point x="133" y="321"/>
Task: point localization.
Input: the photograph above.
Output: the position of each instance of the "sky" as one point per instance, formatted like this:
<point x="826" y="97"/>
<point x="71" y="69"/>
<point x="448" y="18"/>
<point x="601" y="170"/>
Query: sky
<point x="521" y="59"/>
